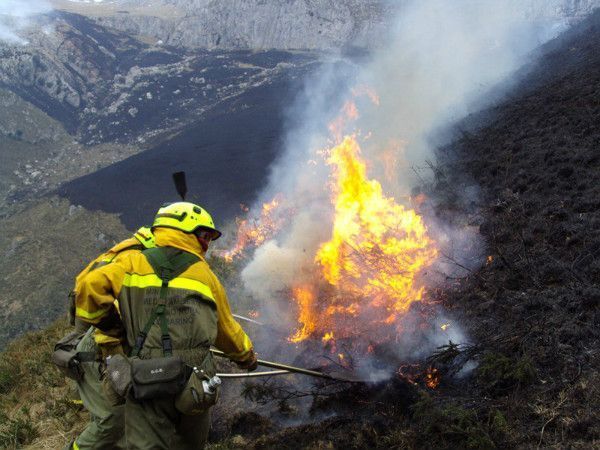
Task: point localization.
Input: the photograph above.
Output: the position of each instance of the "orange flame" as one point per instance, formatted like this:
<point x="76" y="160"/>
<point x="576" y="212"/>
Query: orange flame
<point x="432" y="378"/>
<point x="305" y="299"/>
<point x="390" y="161"/>
<point x="377" y="250"/>
<point x="368" y="91"/>
<point x="253" y="232"/>
<point x="349" y="113"/>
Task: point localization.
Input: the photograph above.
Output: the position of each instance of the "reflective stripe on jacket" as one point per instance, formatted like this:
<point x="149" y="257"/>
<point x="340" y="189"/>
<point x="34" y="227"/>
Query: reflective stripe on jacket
<point x="131" y="244"/>
<point x="130" y="279"/>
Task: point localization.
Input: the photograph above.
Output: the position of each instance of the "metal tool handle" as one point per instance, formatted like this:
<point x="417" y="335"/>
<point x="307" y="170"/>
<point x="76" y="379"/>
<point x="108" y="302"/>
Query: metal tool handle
<point x="254" y="374"/>
<point x="274" y="365"/>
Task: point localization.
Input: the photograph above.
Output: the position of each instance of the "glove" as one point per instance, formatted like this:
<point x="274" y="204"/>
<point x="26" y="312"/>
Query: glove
<point x="111" y="395"/>
<point x="116" y="379"/>
<point x="250" y="363"/>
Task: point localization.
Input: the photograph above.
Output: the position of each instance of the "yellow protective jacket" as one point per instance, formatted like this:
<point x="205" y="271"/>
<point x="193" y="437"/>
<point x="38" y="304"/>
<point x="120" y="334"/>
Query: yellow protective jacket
<point x="141" y="239"/>
<point x="98" y="290"/>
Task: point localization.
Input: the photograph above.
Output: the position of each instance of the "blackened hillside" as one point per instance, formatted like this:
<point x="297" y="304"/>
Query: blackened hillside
<point x="533" y="311"/>
<point x="534" y="308"/>
<point x="226" y="158"/>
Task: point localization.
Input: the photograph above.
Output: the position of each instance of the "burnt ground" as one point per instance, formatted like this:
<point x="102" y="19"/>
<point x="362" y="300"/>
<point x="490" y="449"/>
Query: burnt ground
<point x="532" y="311"/>
<point x="235" y="144"/>
<point x="207" y="150"/>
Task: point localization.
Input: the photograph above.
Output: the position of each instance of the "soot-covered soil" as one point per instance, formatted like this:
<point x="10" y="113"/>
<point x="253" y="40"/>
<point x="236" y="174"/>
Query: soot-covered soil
<point x="227" y="156"/>
<point x="536" y="302"/>
<point x="232" y="145"/>
<point x="532" y="311"/>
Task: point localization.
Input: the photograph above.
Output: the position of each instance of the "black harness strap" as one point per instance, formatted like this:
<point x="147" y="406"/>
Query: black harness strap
<point x="168" y="263"/>
<point x="87" y="356"/>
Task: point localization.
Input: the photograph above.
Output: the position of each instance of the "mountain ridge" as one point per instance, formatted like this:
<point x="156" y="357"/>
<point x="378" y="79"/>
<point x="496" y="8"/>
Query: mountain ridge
<point x="285" y="25"/>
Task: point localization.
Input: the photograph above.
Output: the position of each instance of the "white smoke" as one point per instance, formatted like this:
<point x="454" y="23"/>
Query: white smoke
<point x="15" y="15"/>
<point x="443" y="58"/>
<point x="442" y="61"/>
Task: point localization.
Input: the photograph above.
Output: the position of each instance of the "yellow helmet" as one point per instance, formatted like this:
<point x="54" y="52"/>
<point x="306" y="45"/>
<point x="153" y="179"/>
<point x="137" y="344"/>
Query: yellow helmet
<point x="185" y="216"/>
<point x="145" y="236"/>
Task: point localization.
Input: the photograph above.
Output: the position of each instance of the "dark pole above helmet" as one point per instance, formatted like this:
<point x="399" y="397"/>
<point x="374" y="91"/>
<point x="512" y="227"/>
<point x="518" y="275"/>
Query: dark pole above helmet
<point x="180" y="184"/>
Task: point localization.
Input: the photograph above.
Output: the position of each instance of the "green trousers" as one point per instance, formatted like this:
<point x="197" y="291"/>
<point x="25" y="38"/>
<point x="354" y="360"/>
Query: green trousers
<point x="107" y="425"/>
<point x="157" y="425"/>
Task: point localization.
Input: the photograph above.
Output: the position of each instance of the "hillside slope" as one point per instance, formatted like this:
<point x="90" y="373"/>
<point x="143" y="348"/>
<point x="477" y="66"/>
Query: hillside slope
<point x="43" y="246"/>
<point x="532" y="311"/>
<point x="78" y="97"/>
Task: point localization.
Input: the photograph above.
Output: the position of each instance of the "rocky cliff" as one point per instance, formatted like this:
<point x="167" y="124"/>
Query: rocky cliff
<point x="251" y="24"/>
<point x="104" y="86"/>
<point x="284" y="24"/>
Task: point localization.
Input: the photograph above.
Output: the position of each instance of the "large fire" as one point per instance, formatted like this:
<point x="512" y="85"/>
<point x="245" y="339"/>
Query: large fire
<point x="373" y="260"/>
<point x="364" y="279"/>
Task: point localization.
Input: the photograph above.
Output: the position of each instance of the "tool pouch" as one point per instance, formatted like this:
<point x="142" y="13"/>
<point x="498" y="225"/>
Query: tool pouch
<point x="193" y="400"/>
<point x="65" y="355"/>
<point x="157" y="377"/>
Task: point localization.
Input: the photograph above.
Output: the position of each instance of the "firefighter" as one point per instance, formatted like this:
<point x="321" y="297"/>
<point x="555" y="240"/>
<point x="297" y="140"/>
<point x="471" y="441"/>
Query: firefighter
<point x="106" y="427"/>
<point x="172" y="308"/>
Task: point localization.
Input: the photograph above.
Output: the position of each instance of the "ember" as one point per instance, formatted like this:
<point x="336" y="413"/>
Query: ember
<point x="432" y="378"/>
<point x="328" y="337"/>
<point x="253" y="232"/>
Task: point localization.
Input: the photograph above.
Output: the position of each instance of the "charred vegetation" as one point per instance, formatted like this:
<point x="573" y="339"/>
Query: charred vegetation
<point x="530" y="378"/>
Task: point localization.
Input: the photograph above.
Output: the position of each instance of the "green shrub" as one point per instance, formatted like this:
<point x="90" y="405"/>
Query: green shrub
<point x="17" y="432"/>
<point x="449" y="426"/>
<point x="499" y="373"/>
<point x="498" y="423"/>
<point x="8" y="378"/>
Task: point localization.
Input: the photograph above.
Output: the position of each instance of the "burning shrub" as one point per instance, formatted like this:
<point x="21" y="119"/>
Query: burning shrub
<point x="371" y="265"/>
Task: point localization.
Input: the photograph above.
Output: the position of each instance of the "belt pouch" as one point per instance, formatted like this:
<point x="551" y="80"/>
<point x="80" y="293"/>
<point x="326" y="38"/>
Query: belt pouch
<point x="157" y="377"/>
<point x="64" y="356"/>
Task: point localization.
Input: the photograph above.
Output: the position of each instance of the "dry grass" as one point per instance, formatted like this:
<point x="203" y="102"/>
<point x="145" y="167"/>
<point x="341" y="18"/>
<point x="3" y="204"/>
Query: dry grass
<point x="36" y="411"/>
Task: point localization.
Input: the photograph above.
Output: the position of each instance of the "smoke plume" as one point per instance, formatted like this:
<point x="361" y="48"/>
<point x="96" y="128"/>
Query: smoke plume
<point x="15" y="15"/>
<point x="441" y="62"/>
